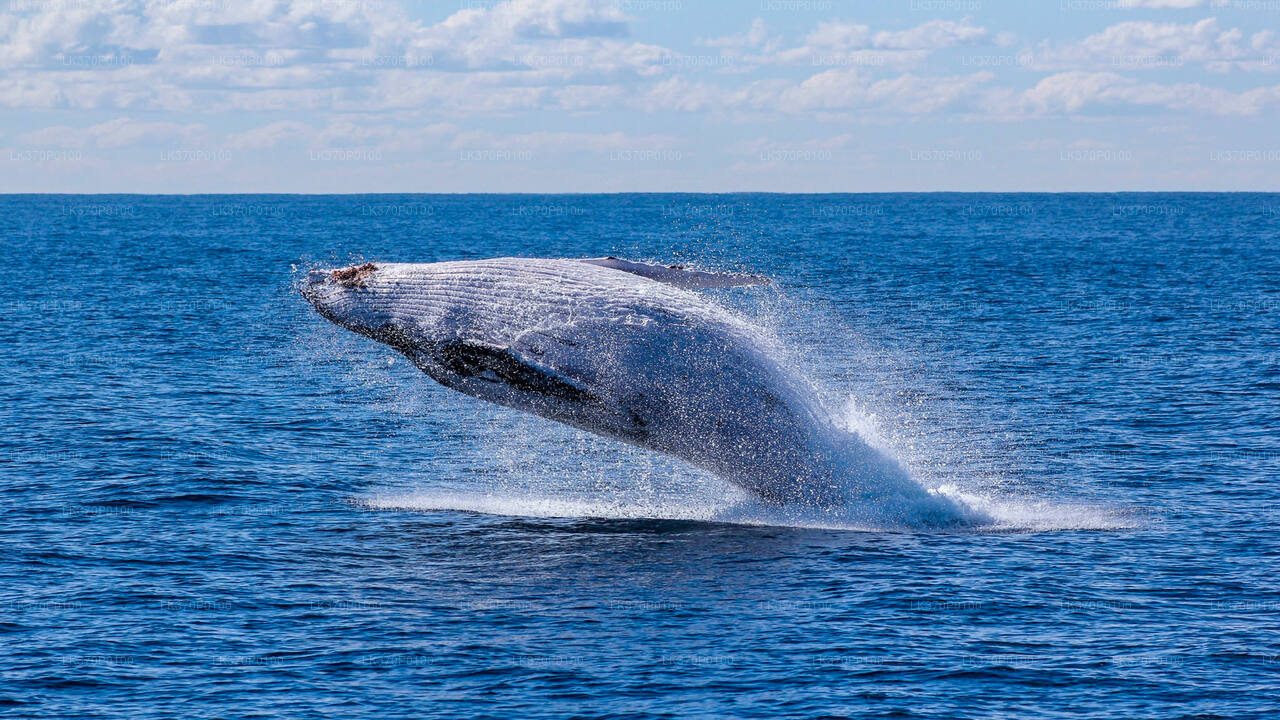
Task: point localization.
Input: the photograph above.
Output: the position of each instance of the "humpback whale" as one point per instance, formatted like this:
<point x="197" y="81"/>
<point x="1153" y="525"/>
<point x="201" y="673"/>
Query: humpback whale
<point x="630" y="351"/>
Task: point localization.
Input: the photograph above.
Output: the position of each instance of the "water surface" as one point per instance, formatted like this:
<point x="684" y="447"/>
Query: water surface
<point x="218" y="504"/>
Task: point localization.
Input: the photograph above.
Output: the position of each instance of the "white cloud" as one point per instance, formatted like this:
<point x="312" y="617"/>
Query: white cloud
<point x="681" y="95"/>
<point x="1073" y="92"/>
<point x="112" y="33"/>
<point x="565" y="18"/>
<point x="839" y="36"/>
<point x="845" y="44"/>
<point x="757" y="37"/>
<point x="563" y="141"/>
<point x="531" y="55"/>
<point x="294" y="75"/>
<point x="272" y="135"/>
<point x="118" y="133"/>
<point x="348" y="132"/>
<point x="837" y="89"/>
<point x="164" y="55"/>
<point x="765" y="144"/>
<point x="933" y="35"/>
<point x="1169" y="4"/>
<point x="1148" y="45"/>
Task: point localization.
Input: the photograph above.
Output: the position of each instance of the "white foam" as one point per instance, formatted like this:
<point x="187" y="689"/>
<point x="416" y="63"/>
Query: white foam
<point x="1007" y="515"/>
<point x="1015" y="514"/>
<point x="863" y="423"/>
<point x="537" y="506"/>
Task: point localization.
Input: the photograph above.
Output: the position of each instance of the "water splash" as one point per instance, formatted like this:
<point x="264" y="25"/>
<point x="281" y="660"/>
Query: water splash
<point x="1005" y="515"/>
<point x="537" y="469"/>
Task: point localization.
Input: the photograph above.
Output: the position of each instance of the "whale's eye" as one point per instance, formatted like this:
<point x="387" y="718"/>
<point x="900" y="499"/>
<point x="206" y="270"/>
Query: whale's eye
<point x="354" y="276"/>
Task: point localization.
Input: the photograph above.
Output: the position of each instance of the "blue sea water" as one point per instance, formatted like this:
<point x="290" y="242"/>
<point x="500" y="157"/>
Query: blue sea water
<point x="216" y="504"/>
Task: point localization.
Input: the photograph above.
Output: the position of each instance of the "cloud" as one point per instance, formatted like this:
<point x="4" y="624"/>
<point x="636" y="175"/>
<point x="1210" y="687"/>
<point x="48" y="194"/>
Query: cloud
<point x="932" y="35"/>
<point x="1148" y="45"/>
<point x="163" y="55"/>
<point x="118" y="133"/>
<point x="845" y="44"/>
<point x="757" y="37"/>
<point x="567" y="34"/>
<point x="566" y="18"/>
<point x="764" y="144"/>
<point x="349" y="132"/>
<point x="1169" y="4"/>
<point x="830" y="90"/>
<point x="366" y="74"/>
<point x="1074" y="92"/>
<point x="560" y="142"/>
<point x="111" y="33"/>
<point x="850" y="89"/>
<point x="273" y="135"/>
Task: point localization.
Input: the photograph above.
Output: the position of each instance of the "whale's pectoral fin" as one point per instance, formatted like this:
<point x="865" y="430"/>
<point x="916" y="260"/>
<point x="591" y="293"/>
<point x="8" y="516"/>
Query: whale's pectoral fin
<point x="478" y="359"/>
<point x="489" y="363"/>
<point x="678" y="275"/>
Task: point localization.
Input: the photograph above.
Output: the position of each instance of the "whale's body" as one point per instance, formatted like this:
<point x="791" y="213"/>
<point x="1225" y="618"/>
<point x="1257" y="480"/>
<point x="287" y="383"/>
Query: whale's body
<point x="618" y="349"/>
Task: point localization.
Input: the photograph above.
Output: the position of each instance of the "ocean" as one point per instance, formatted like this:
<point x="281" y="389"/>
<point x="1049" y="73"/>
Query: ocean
<point x="217" y="504"/>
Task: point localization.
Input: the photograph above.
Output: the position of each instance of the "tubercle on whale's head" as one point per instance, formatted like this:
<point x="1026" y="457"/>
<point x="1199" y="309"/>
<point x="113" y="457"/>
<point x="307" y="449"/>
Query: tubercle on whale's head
<point x="353" y="276"/>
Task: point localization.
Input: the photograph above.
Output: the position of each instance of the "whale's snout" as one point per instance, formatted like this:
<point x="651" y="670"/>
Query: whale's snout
<point x="318" y="288"/>
<point x="313" y="283"/>
<point x="337" y="295"/>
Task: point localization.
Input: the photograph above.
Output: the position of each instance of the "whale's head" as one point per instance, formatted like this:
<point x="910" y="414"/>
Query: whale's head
<point x="473" y="329"/>
<point x="359" y="298"/>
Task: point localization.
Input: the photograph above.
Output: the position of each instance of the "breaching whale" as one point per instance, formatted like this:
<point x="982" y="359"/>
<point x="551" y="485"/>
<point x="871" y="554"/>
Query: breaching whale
<point x="629" y="351"/>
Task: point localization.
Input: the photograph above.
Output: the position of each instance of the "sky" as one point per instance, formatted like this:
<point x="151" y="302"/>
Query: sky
<point x="343" y="96"/>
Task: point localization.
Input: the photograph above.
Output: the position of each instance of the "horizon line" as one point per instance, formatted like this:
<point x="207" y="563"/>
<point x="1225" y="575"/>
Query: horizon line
<point x="673" y="192"/>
